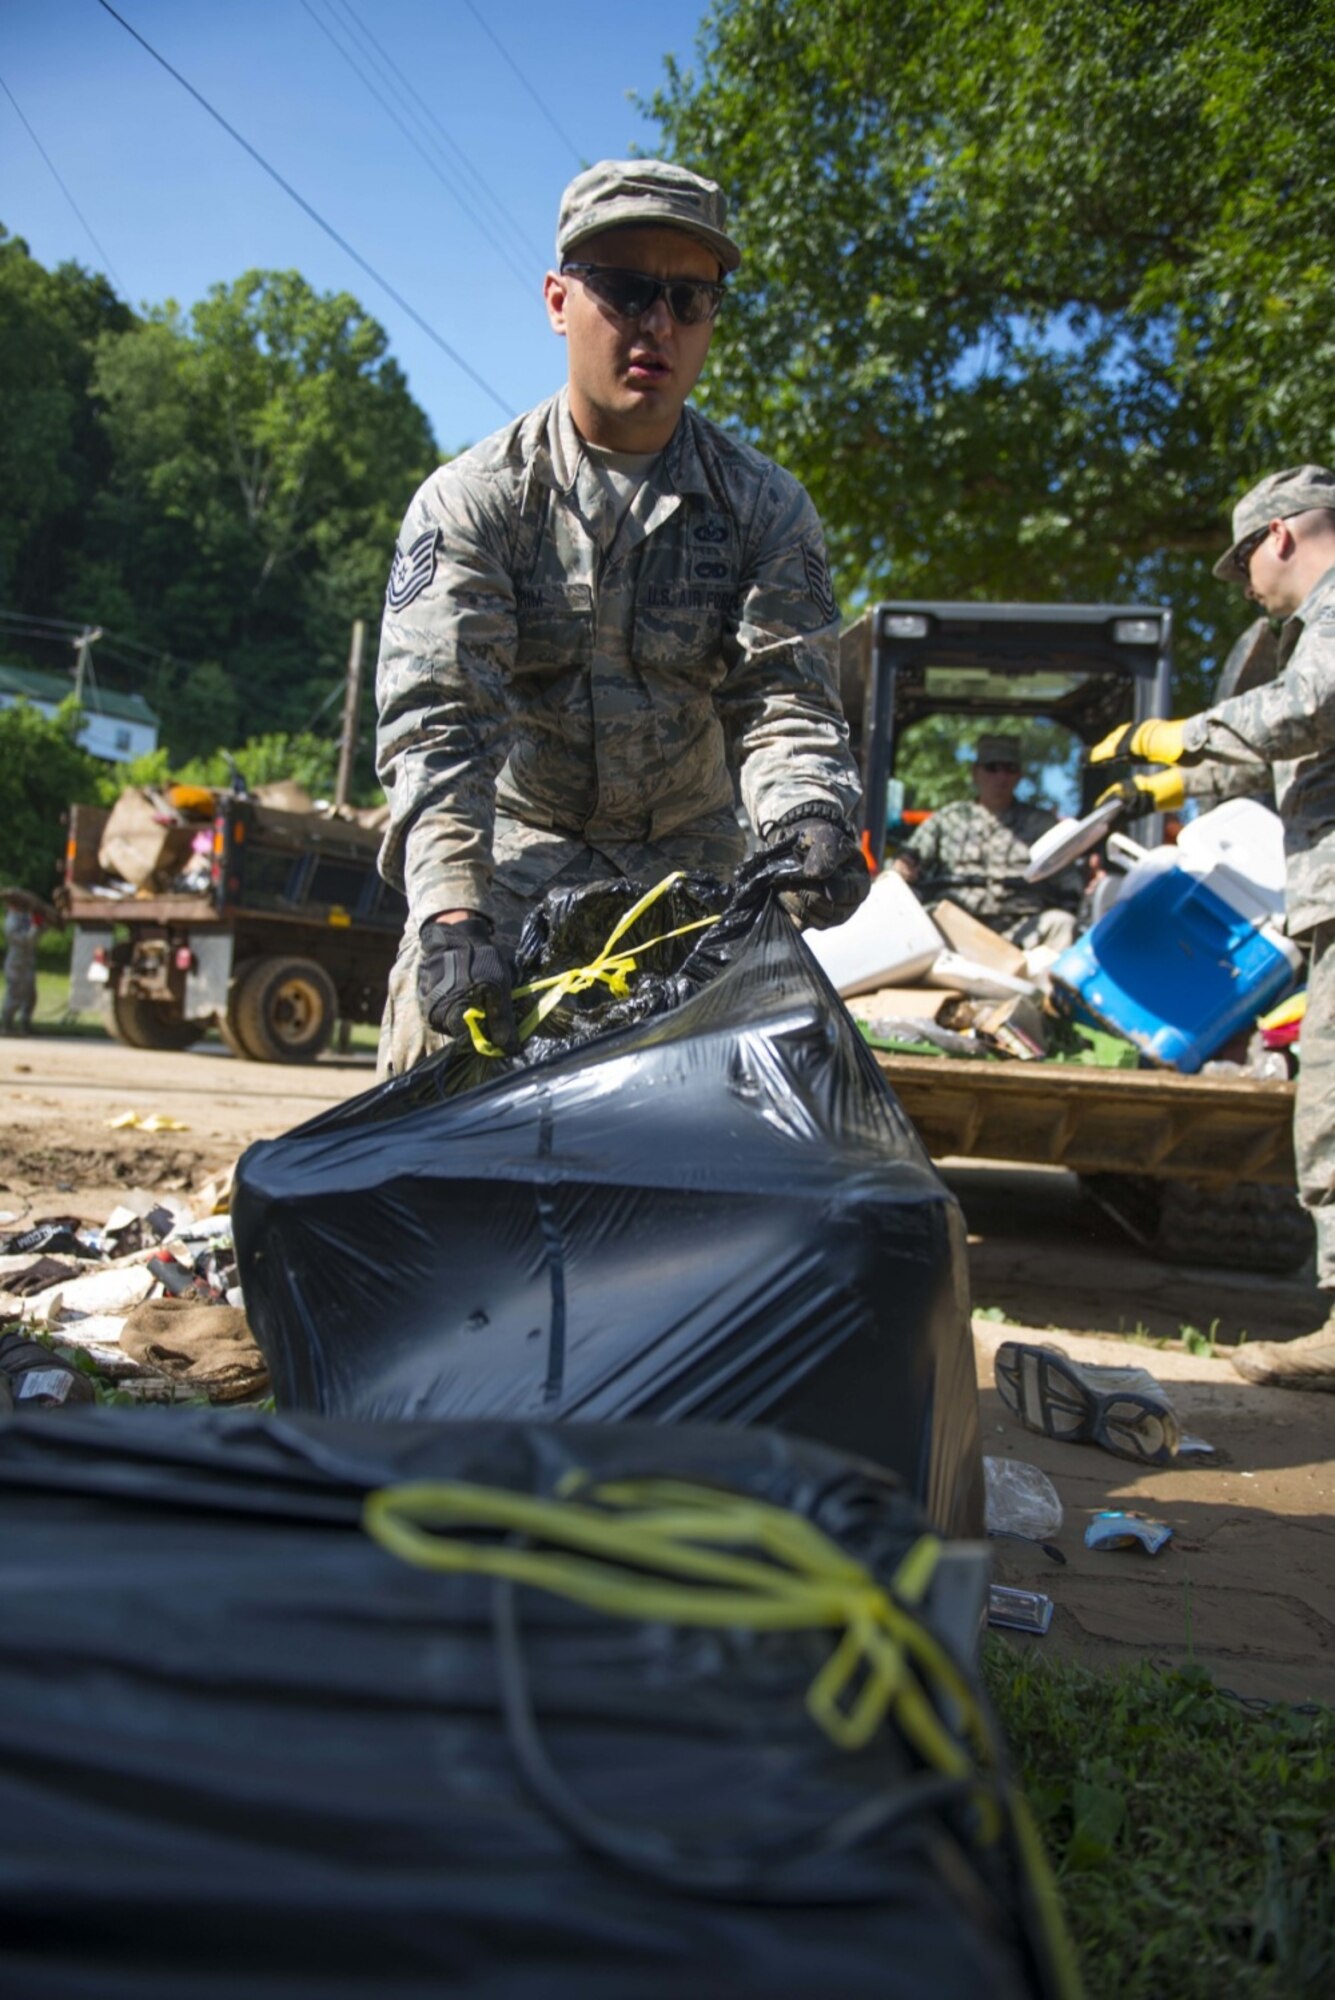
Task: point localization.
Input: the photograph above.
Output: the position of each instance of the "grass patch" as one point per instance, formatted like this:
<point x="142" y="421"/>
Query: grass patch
<point x="1193" y="1838"/>
<point x="53" y="1008"/>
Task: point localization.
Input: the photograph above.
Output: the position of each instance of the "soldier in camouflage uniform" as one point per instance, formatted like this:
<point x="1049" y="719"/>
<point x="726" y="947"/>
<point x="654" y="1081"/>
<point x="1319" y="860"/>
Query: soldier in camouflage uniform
<point x="601" y="624"/>
<point x="20" y="967"/>
<point x="975" y="852"/>
<point x="1280" y="735"/>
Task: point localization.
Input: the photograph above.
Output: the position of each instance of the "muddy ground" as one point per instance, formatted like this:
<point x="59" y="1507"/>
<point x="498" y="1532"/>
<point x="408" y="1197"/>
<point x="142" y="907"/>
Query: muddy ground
<point x="1246" y="1588"/>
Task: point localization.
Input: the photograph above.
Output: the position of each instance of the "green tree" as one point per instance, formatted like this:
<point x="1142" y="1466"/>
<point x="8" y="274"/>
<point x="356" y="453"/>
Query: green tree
<point x="52" y="455"/>
<point x="43" y="771"/>
<point x="264" y="448"/>
<point x="1031" y="292"/>
<point x="309" y="760"/>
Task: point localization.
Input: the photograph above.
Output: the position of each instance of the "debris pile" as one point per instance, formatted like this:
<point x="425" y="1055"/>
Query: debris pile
<point x="161" y="840"/>
<point x="146" y="1307"/>
<point x="941" y="981"/>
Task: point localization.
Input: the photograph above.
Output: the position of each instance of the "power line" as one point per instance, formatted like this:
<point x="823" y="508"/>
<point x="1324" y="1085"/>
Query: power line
<point x="413" y="140"/>
<point x="111" y="268"/>
<point x="564" y="137"/>
<point x="314" y="214"/>
<point x="114" y="645"/>
<point x="59" y="628"/>
<point x="479" y="180"/>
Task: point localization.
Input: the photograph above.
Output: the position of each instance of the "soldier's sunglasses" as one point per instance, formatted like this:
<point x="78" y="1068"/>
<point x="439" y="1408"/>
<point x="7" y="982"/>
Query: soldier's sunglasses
<point x="1242" y="555"/>
<point x="994" y="764"/>
<point x="631" y="294"/>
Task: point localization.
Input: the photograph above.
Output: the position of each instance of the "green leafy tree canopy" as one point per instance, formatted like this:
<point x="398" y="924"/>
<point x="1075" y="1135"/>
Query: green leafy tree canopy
<point x="43" y="771"/>
<point x="1030" y="293"/>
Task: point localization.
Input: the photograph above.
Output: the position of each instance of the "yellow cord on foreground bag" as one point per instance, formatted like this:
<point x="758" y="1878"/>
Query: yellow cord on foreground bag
<point x="672" y="1552"/>
<point x="611" y="968"/>
<point x="685" y="1537"/>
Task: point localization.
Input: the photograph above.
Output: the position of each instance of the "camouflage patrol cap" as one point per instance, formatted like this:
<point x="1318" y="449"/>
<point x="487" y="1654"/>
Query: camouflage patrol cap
<point x="997" y="750"/>
<point x="1277" y="498"/>
<point x="629" y="194"/>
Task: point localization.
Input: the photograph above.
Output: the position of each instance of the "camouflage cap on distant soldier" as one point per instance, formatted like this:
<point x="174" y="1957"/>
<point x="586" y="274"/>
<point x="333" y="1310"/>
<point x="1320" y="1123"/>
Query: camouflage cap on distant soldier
<point x="997" y="750"/>
<point x="637" y="194"/>
<point x="1296" y="490"/>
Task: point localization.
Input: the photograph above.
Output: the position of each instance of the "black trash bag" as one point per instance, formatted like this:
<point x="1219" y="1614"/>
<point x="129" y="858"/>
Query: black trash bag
<point x="674" y="957"/>
<point x="717" y="1213"/>
<point x="244" y="1749"/>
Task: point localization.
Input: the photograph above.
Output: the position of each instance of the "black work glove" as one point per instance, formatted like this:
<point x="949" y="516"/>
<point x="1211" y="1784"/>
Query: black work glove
<point x="461" y="966"/>
<point x="830" y="876"/>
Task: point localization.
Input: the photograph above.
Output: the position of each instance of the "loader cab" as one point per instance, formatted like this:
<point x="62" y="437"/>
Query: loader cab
<point x="1085" y="667"/>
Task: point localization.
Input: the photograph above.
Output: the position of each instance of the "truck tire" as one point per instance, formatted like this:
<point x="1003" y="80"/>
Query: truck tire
<point x="228" y="1025"/>
<point x="284" y="1010"/>
<point x="147" y="1024"/>
<point x="1246" y="1227"/>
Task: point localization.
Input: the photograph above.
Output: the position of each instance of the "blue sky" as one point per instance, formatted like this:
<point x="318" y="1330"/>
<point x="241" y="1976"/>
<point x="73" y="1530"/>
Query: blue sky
<point x="176" y="204"/>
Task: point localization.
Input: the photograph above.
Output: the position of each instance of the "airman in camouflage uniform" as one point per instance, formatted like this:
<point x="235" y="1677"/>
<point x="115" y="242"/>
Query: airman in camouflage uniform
<point x="1280" y="735"/>
<point x="607" y="620"/>
<point x="975" y="851"/>
<point x="20" y="968"/>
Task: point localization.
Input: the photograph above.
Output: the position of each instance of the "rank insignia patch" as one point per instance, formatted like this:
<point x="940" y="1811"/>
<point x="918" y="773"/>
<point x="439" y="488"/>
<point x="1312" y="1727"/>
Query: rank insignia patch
<point x="412" y="570"/>
<point x="819" y="585"/>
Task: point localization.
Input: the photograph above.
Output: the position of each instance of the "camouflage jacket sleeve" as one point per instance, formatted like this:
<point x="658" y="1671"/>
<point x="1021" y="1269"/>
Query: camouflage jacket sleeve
<point x="448" y="636"/>
<point x="924" y="844"/>
<point x="1290" y="717"/>
<point x="779" y="701"/>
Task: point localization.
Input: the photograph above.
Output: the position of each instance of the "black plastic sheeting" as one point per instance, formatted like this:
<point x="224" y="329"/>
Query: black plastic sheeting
<point x="720" y="1213"/>
<point x="245" y="1750"/>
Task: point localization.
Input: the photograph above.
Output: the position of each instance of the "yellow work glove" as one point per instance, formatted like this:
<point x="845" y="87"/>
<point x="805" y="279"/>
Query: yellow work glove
<point x="1155" y="742"/>
<point x="1155" y="791"/>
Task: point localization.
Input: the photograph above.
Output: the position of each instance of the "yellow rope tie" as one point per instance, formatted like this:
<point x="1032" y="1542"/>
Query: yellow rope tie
<point x="611" y="968"/>
<point x="671" y="1552"/>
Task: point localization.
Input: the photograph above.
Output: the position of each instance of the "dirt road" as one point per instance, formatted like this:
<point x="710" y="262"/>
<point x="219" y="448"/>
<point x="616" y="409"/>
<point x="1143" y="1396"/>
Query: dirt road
<point x="1246" y="1588"/>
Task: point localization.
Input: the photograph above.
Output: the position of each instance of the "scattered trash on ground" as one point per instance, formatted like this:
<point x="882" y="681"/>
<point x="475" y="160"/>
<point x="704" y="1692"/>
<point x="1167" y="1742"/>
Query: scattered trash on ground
<point x="1013" y="1610"/>
<point x="1021" y="1500"/>
<point x="1120" y="1528"/>
<point x="147" y="1305"/>
<point x="157" y="1121"/>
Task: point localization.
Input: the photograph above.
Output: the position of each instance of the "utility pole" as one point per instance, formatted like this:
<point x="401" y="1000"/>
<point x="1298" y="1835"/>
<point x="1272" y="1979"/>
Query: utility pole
<point x="84" y="644"/>
<point x="352" y="714"/>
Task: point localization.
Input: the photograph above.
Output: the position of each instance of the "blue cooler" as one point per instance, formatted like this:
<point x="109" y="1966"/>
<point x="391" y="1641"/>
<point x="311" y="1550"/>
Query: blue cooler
<point x="1175" y="965"/>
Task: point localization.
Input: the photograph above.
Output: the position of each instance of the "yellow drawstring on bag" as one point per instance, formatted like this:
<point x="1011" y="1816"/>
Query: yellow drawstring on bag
<point x="673" y="1552"/>
<point x="611" y="968"/>
<point x="670" y="1551"/>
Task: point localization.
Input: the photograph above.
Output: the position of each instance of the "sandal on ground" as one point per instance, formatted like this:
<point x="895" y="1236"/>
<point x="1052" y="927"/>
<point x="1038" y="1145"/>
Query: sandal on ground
<point x="1078" y="1402"/>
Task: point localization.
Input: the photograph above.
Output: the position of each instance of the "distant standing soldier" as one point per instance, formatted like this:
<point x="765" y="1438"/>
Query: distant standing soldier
<point x="599" y="621"/>
<point x="975" y="851"/>
<point x="1282" y="734"/>
<point x="20" y="967"/>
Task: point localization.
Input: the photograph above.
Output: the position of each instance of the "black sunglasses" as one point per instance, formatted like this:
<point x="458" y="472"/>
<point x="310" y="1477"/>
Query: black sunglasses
<point x="631" y="294"/>
<point x="994" y="766"/>
<point x="1242" y="555"/>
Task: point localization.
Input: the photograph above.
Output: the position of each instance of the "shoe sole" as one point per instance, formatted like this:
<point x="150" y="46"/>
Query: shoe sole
<point x="1053" y="1396"/>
